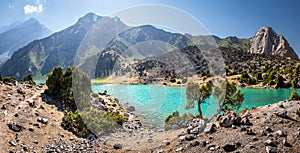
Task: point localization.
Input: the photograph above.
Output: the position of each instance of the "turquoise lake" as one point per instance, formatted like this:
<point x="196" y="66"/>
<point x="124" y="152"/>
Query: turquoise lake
<point x="155" y="102"/>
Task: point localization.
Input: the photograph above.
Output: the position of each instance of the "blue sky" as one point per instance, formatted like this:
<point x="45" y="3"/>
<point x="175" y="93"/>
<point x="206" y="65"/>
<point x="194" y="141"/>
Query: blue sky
<point x="240" y="18"/>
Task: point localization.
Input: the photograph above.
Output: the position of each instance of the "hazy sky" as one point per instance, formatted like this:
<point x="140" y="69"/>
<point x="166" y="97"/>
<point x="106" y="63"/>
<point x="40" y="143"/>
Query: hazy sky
<point x="240" y="18"/>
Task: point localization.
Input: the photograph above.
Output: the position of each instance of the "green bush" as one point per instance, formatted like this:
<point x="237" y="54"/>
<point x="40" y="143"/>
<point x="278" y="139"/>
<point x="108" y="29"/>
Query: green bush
<point x="173" y="80"/>
<point x="294" y="96"/>
<point x="251" y="81"/>
<point x="29" y="79"/>
<point x="245" y="75"/>
<point x="9" y="79"/>
<point x="294" y="83"/>
<point x="100" y="121"/>
<point x="259" y="76"/>
<point x="1" y="77"/>
<point x="74" y="123"/>
<point x="116" y="117"/>
<point x="175" y="121"/>
<point x="279" y="81"/>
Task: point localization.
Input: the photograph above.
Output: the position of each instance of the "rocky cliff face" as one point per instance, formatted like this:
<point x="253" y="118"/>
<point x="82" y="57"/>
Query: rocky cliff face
<point x="267" y="41"/>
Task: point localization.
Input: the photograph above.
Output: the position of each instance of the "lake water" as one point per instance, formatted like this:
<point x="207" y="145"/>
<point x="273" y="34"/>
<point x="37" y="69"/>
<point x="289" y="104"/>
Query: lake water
<point x="155" y="102"/>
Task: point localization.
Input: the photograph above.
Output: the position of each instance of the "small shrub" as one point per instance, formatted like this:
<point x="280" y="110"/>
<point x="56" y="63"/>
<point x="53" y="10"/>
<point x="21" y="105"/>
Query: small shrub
<point x="294" y="96"/>
<point x="175" y="121"/>
<point x="173" y="80"/>
<point x="1" y="78"/>
<point x="116" y="117"/>
<point x="9" y="79"/>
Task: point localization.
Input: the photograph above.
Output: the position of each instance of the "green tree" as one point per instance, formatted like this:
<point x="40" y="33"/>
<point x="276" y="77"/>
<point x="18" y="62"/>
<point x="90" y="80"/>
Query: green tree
<point x="294" y="83"/>
<point x="230" y="98"/>
<point x="294" y="96"/>
<point x="194" y="94"/>
<point x="72" y="87"/>
<point x="1" y="77"/>
<point x="279" y="81"/>
<point x="54" y="82"/>
<point x="259" y="76"/>
<point x="29" y="79"/>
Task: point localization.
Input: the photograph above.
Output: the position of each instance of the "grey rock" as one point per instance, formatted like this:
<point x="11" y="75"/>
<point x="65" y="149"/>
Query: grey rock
<point x="71" y="138"/>
<point x="269" y="142"/>
<point x="270" y="149"/>
<point x="3" y="107"/>
<point x="20" y="90"/>
<point x="12" y="143"/>
<point x="282" y="114"/>
<point x="269" y="129"/>
<point x="15" y="127"/>
<point x="179" y="149"/>
<point x="194" y="143"/>
<point x="210" y="128"/>
<point x="43" y="120"/>
<point x="131" y="108"/>
<point x="285" y="143"/>
<point x="229" y="147"/>
<point x="250" y="132"/>
<point x="31" y="103"/>
<point x="226" y="121"/>
<point x="190" y="137"/>
<point x="281" y="133"/>
<point x="118" y="146"/>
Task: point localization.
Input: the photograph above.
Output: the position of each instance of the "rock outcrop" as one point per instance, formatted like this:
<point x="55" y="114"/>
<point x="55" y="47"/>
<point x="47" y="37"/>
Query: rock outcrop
<point x="267" y="41"/>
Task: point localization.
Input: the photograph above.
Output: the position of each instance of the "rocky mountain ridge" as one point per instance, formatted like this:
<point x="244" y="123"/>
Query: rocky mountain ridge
<point x="93" y="45"/>
<point x="267" y="41"/>
<point x="19" y="35"/>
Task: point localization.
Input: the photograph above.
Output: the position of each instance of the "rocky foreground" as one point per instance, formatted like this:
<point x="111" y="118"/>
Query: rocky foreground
<point x="29" y="124"/>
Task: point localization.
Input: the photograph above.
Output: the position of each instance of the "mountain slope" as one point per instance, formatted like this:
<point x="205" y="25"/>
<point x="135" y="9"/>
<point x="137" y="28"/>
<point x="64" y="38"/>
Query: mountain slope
<point x="20" y="35"/>
<point x="137" y="43"/>
<point x="40" y="56"/>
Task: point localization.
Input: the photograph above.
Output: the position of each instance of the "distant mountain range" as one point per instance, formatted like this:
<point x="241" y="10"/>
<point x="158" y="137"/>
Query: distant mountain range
<point x="18" y="35"/>
<point x="93" y="44"/>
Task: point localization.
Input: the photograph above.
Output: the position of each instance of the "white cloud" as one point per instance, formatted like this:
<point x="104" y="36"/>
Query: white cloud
<point x="33" y="9"/>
